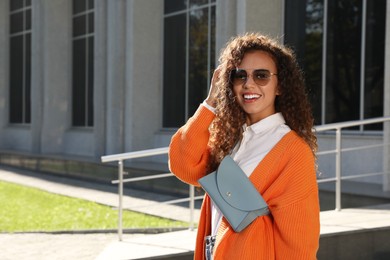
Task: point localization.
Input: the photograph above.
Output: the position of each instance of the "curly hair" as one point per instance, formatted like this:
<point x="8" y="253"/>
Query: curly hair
<point x="292" y="101"/>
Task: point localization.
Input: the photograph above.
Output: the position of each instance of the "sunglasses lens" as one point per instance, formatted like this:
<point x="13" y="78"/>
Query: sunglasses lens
<point x="238" y="77"/>
<point x="261" y="77"/>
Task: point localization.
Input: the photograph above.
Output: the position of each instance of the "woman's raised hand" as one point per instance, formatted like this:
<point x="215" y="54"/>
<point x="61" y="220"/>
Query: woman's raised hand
<point x="211" y="99"/>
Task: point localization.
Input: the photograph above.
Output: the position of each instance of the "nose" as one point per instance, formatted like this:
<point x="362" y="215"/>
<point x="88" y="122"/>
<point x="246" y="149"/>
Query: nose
<point x="249" y="81"/>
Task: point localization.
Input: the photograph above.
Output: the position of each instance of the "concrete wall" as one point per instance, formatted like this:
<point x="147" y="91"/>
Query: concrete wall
<point x="236" y="17"/>
<point x="352" y="162"/>
<point x="128" y="79"/>
<point x="386" y="102"/>
<point x="266" y="17"/>
<point x="365" y="244"/>
<point x="127" y="75"/>
<point x="54" y="89"/>
<point x="4" y="72"/>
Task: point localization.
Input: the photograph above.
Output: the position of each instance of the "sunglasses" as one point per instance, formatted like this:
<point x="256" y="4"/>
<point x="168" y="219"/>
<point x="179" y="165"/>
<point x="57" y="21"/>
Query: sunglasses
<point x="260" y="76"/>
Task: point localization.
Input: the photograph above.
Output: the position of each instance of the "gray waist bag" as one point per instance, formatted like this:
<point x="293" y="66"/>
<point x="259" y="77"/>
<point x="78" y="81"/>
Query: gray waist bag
<point x="234" y="194"/>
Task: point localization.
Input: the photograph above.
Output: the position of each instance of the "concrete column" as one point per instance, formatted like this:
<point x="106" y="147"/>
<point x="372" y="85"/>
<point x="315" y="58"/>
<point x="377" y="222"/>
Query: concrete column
<point x="386" y="103"/>
<point x="266" y="17"/>
<point x="37" y="70"/>
<point x="116" y="61"/>
<point x="226" y="23"/>
<point x="100" y="78"/>
<point x="237" y="17"/>
<point x="4" y="65"/>
<point x="144" y="63"/>
<point x="131" y="82"/>
<point x="55" y="105"/>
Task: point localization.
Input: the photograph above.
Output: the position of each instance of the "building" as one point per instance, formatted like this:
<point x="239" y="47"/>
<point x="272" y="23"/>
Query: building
<point x="84" y="78"/>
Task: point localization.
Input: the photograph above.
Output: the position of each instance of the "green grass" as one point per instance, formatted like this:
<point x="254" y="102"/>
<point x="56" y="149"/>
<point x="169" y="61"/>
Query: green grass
<point x="25" y="209"/>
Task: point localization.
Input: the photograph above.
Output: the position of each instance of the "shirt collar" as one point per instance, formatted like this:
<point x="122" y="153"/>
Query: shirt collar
<point x="267" y="123"/>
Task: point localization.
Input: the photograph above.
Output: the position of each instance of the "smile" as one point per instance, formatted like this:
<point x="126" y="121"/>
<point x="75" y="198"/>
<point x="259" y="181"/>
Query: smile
<point x="251" y="96"/>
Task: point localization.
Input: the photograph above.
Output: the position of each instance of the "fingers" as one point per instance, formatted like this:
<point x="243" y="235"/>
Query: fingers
<point x="216" y="75"/>
<point x="211" y="98"/>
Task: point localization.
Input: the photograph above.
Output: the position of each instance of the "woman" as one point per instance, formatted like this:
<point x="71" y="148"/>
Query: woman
<point x="257" y="112"/>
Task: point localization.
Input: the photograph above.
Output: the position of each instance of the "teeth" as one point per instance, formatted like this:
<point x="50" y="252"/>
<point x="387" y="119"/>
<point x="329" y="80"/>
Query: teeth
<point x="251" y="96"/>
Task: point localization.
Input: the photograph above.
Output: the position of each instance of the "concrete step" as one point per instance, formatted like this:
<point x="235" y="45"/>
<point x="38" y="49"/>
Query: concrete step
<point x="356" y="233"/>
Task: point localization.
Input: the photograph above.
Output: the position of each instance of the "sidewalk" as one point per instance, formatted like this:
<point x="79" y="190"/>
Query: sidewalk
<point x="101" y="193"/>
<point x="102" y="246"/>
<point x="34" y="246"/>
<point x="98" y="245"/>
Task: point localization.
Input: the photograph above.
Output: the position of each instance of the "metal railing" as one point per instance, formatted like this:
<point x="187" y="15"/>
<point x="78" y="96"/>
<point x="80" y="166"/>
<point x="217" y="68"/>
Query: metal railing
<point x="119" y="158"/>
<point x="337" y="127"/>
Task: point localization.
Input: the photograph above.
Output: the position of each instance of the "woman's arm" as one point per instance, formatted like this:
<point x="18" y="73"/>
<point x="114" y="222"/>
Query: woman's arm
<point x="188" y="151"/>
<point x="296" y="213"/>
<point x="297" y="229"/>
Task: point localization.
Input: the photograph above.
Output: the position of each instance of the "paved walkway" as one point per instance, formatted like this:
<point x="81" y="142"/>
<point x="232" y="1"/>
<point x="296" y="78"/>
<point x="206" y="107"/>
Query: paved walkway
<point x="93" y="246"/>
<point x="97" y="245"/>
<point x="140" y="201"/>
<point x="102" y="246"/>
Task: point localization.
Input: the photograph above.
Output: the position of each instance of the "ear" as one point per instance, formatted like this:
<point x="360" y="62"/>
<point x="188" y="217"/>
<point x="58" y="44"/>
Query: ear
<point x="278" y="91"/>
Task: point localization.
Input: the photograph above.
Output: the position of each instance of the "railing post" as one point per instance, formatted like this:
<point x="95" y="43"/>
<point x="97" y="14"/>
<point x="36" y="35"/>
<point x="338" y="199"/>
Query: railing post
<point x="192" y="206"/>
<point x="120" y="206"/>
<point x="338" y="169"/>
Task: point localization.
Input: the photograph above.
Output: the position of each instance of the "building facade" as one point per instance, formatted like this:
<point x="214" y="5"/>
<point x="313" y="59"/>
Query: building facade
<point x="86" y="78"/>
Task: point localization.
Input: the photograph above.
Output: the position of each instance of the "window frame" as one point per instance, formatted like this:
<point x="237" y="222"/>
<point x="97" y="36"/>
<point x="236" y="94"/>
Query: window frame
<point x="363" y="84"/>
<point x="88" y="35"/>
<point x="26" y="33"/>
<point x="187" y="8"/>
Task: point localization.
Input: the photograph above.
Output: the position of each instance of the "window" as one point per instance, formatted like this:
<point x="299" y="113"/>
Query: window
<point x="189" y="57"/>
<point x="20" y="62"/>
<point x="340" y="45"/>
<point x="83" y="50"/>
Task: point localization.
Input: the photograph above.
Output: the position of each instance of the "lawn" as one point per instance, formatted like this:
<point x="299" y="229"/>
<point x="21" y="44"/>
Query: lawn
<point x="25" y="209"/>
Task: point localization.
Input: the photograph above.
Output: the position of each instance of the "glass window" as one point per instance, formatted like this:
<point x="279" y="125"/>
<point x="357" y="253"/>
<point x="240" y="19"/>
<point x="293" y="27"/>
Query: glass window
<point x="79" y="6"/>
<point x="78" y="94"/>
<point x="27" y="83"/>
<point x="79" y="25"/>
<point x="348" y="84"/>
<point x="196" y="3"/>
<point x="171" y="6"/>
<point x="16" y="71"/>
<point x="17" y="22"/>
<point x="83" y="63"/>
<point x="16" y="4"/>
<point x="343" y="60"/>
<point x="91" y="4"/>
<point x="20" y="62"/>
<point x="198" y="58"/>
<point x="174" y="70"/>
<point x="189" y="57"/>
<point x="304" y="32"/>
<point x="374" y="60"/>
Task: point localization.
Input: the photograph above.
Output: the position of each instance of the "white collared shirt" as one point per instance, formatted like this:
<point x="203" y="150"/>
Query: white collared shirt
<point x="257" y="140"/>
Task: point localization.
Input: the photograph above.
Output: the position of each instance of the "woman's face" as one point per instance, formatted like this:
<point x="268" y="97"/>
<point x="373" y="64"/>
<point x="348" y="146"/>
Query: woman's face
<point x="255" y="85"/>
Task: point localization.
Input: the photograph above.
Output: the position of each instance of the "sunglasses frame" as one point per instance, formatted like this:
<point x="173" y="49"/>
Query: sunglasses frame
<point x="259" y="82"/>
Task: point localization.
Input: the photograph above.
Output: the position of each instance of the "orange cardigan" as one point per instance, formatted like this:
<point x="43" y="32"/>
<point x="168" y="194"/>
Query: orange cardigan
<point x="285" y="177"/>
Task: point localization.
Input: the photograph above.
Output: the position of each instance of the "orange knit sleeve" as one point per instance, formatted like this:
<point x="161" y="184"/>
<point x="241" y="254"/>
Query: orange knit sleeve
<point x="296" y="215"/>
<point x="188" y="151"/>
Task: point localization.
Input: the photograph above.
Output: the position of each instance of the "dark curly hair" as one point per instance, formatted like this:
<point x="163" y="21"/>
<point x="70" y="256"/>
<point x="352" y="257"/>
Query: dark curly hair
<point x="292" y="101"/>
